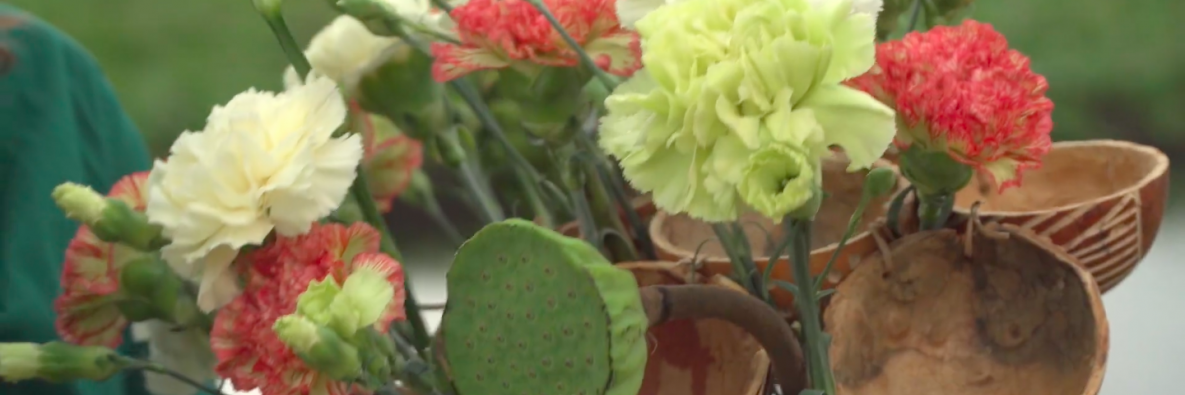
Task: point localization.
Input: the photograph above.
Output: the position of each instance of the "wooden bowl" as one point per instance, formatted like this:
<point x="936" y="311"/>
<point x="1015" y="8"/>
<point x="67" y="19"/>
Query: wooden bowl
<point x="677" y="237"/>
<point x="1101" y="200"/>
<point x="702" y="357"/>
<point x="1016" y="315"/>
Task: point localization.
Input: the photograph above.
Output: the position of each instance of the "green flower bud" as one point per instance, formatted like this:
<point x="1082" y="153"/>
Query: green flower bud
<point x="111" y="220"/>
<point x="934" y="172"/>
<point x="19" y="361"/>
<point x="879" y="182"/>
<point x="319" y="347"/>
<point x="269" y="8"/>
<point x="419" y="190"/>
<point x="153" y="290"/>
<point x="80" y="202"/>
<point x="57" y="362"/>
<point x="452" y="153"/>
<point x="403" y="90"/>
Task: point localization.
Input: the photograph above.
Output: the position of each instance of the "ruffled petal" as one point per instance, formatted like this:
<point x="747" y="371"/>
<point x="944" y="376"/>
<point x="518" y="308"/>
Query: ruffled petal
<point x="454" y="61"/>
<point x="89" y="320"/>
<point x="861" y="125"/>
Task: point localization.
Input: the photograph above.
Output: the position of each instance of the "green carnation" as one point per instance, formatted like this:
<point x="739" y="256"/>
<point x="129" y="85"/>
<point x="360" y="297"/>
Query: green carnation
<point x="725" y="79"/>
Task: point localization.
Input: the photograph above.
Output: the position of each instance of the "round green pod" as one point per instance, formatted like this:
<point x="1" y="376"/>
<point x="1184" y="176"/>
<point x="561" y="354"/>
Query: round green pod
<point x="531" y="311"/>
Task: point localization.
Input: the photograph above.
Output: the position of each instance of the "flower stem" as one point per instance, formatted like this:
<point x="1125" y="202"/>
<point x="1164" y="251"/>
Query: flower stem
<point x="475" y="180"/>
<point x="617" y="188"/>
<point x="361" y="193"/>
<point x="807" y="302"/>
<point x="742" y="265"/>
<point x="471" y="97"/>
<point x="934" y="210"/>
<point x="137" y="364"/>
<point x="914" y="13"/>
<point x="601" y="75"/>
<point x="432" y="208"/>
<point x="539" y="209"/>
<point x="275" y="21"/>
<point x="853" y="222"/>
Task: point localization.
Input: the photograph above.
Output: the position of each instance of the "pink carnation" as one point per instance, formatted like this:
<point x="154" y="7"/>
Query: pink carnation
<point x="497" y="33"/>
<point x="961" y="89"/>
<point x="249" y="352"/>
<point x="86" y="310"/>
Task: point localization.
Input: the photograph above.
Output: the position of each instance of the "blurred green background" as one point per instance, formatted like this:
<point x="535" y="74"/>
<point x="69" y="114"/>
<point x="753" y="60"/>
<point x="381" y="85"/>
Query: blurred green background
<point x="1116" y="68"/>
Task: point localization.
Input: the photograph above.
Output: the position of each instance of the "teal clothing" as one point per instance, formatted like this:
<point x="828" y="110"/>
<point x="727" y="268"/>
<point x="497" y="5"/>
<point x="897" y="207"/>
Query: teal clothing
<point x="59" y="121"/>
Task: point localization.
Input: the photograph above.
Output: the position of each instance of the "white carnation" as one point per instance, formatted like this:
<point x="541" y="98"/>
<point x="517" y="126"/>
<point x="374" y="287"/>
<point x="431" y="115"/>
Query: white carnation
<point x="264" y="161"/>
<point x="342" y="51"/>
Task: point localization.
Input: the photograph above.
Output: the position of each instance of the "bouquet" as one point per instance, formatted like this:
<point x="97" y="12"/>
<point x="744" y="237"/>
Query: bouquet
<point x="594" y="138"/>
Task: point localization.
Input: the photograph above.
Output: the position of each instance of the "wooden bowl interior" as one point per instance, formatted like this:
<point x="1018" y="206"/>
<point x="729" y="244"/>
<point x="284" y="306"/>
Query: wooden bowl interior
<point x="1016" y="317"/>
<point x="705" y="357"/>
<point x="1073" y="173"/>
<point x="687" y="234"/>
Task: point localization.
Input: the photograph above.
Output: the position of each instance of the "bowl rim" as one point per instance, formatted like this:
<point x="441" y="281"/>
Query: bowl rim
<point x="1158" y="170"/>
<point x="664" y="243"/>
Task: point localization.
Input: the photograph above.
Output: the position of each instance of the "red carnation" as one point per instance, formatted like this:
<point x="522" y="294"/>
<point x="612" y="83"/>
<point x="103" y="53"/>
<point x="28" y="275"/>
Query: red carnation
<point x="86" y="310"/>
<point x="249" y="352"/>
<point x="960" y="89"/>
<point x="497" y="33"/>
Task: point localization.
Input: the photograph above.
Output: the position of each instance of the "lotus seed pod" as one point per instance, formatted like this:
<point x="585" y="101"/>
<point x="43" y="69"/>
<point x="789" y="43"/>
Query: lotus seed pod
<point x="533" y="312"/>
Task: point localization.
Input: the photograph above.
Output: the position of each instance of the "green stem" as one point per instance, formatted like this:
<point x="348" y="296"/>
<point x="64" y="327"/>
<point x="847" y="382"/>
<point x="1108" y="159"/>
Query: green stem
<point x="538" y="208"/>
<point x="137" y="364"/>
<point x="583" y="211"/>
<point x="853" y="222"/>
<point x="432" y="207"/>
<point x="934" y="210"/>
<point x="745" y="251"/>
<point x="275" y="21"/>
<point x="606" y="215"/>
<point x="914" y="13"/>
<point x="475" y="180"/>
<point x="471" y="97"/>
<point x="584" y="58"/>
<point x="361" y="193"/>
<point x="617" y="188"/>
<point x="807" y="303"/>
<point x="740" y="267"/>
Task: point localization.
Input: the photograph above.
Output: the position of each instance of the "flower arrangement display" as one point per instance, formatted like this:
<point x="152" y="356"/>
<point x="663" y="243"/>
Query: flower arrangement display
<point x="257" y="251"/>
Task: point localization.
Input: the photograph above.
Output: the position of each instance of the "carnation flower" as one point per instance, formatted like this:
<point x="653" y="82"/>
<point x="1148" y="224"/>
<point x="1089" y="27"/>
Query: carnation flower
<point x="631" y="11"/>
<point x="249" y="352"/>
<point x="264" y="162"/>
<point x="86" y="309"/>
<point x="962" y="91"/>
<point x="503" y="33"/>
<point x="725" y="80"/>
<point x="342" y="51"/>
<point x="390" y="159"/>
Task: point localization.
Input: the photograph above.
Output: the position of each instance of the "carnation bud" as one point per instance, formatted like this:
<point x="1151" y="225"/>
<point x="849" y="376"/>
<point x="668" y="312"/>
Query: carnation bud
<point x="934" y="172"/>
<point x="402" y="89"/>
<point x="548" y="101"/>
<point x="449" y="147"/>
<point x="879" y="182"/>
<point x="319" y="347"/>
<point x="154" y="291"/>
<point x="57" y="362"/>
<point x="419" y="190"/>
<point x="111" y="220"/>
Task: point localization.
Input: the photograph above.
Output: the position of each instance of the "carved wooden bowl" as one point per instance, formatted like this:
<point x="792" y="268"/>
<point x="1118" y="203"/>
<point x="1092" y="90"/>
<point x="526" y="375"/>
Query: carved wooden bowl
<point x="677" y="237"/>
<point x="1007" y="314"/>
<point x="1101" y="200"/>
<point x="703" y="357"/>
